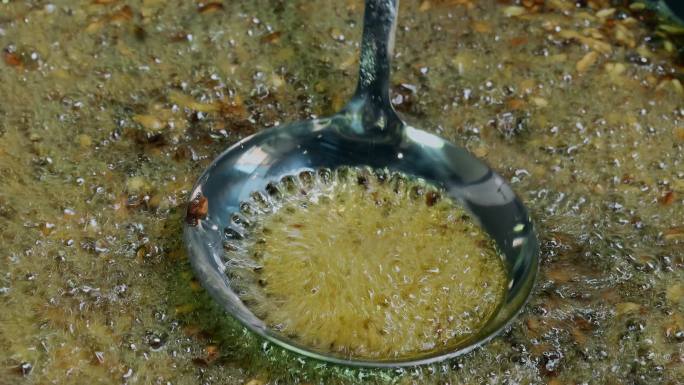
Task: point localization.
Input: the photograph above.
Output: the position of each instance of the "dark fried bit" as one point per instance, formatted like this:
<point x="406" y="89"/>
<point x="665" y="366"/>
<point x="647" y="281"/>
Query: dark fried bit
<point x="123" y="14"/>
<point x="272" y="37"/>
<point x="197" y="209"/>
<point x="273" y="190"/>
<point x="431" y="198"/>
<point x="362" y="180"/>
<point x="667" y="198"/>
<point x="11" y="59"/>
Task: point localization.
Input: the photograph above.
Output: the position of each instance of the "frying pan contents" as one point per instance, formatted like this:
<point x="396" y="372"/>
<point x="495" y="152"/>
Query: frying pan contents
<point x="109" y="110"/>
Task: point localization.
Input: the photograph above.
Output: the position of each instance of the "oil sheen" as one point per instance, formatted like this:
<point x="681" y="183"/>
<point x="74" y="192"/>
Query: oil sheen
<point x="367" y="264"/>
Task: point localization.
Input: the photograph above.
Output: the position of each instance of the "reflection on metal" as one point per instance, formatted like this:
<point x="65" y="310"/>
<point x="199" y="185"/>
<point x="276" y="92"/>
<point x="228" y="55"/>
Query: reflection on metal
<point x="424" y="138"/>
<point x="251" y="160"/>
<point x="517" y="242"/>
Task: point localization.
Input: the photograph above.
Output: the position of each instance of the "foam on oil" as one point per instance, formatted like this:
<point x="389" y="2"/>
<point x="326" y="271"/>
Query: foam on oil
<point x="366" y="264"/>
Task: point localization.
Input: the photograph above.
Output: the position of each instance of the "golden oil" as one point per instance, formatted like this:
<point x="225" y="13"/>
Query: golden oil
<point x="370" y="264"/>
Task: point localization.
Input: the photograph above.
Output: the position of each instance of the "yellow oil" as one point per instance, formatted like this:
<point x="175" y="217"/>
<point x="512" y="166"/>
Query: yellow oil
<point x="371" y="267"/>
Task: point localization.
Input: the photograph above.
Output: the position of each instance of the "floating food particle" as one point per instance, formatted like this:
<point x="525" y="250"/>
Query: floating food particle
<point x="431" y="198"/>
<point x="667" y="198"/>
<point x="518" y="41"/>
<point x="123" y="14"/>
<point x="482" y="27"/>
<point x="674" y="233"/>
<point x="272" y="37"/>
<point x="212" y="353"/>
<point x="210" y="7"/>
<point x="587" y="61"/>
<point x="197" y="209"/>
<point x="189" y="102"/>
<point x="11" y="59"/>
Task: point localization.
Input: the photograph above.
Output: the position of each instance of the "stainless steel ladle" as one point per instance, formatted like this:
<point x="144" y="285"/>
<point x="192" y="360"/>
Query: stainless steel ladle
<point x="366" y="132"/>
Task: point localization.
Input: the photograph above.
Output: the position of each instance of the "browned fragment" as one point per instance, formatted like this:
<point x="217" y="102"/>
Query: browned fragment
<point x="532" y="3"/>
<point x="431" y="198"/>
<point x="481" y="27"/>
<point x="532" y="324"/>
<point x="516" y="104"/>
<point x="674" y="233"/>
<point x="518" y="41"/>
<point x="679" y="133"/>
<point x="271" y="38"/>
<point x="201" y="362"/>
<point x="192" y="330"/>
<point x="125" y="13"/>
<point x="234" y="110"/>
<point x="579" y="336"/>
<point x="212" y="353"/>
<point x="178" y="37"/>
<point x="197" y="209"/>
<point x="182" y="153"/>
<point x="582" y="324"/>
<point x="559" y="274"/>
<point x="11" y="59"/>
<point x="667" y="198"/>
<point x="210" y="7"/>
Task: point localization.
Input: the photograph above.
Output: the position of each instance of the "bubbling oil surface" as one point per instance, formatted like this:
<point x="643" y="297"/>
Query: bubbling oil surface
<point x="368" y="264"/>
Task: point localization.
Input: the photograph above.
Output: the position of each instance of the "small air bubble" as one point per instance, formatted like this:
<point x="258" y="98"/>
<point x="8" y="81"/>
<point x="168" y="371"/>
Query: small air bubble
<point x="306" y="178"/>
<point x="240" y="220"/>
<point x="232" y="234"/>
<point x="259" y="199"/>
<point x="273" y="190"/>
<point x="325" y="175"/>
